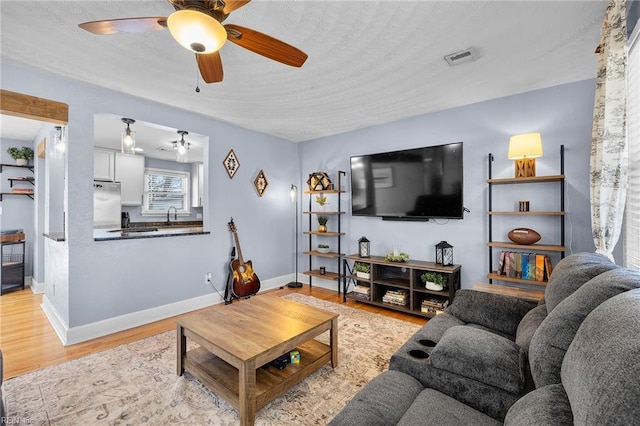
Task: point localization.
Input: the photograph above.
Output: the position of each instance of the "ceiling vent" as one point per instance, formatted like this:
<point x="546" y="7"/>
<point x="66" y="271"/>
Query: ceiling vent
<point x="461" y="57"/>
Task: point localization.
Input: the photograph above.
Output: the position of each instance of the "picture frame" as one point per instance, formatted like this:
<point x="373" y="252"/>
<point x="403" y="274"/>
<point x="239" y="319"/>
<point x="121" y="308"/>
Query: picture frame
<point x="261" y="183"/>
<point x="231" y="163"/>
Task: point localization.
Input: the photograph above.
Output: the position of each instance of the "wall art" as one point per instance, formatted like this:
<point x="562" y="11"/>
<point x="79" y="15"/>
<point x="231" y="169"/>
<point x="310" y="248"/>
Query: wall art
<point x="231" y="164"/>
<point x="261" y="183"/>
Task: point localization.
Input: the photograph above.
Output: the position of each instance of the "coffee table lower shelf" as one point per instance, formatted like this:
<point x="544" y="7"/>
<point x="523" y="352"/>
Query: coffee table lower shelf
<point x="223" y="378"/>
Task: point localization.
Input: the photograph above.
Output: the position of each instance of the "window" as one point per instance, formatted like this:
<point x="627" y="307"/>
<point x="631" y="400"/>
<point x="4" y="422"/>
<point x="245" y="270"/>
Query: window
<point x="164" y="189"/>
<point x="631" y="230"/>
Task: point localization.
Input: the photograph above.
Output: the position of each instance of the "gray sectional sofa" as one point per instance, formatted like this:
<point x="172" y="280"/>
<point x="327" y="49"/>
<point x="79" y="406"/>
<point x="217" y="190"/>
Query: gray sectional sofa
<point x="574" y="358"/>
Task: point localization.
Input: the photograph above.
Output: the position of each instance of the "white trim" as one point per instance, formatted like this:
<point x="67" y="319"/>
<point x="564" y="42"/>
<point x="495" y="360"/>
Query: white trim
<point x="82" y="333"/>
<point x="36" y="287"/>
<point x="56" y="321"/>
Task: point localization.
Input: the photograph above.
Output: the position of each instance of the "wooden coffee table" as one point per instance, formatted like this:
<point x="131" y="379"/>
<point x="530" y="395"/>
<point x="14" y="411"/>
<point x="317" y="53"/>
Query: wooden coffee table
<point x="236" y="340"/>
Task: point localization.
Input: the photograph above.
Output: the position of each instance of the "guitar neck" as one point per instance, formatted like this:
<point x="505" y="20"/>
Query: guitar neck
<point x="235" y="237"/>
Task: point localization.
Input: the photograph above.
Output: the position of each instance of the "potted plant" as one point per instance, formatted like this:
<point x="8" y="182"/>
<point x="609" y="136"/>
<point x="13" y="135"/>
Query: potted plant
<point x="433" y="281"/>
<point x="322" y="201"/>
<point x="363" y="270"/>
<point x="323" y="248"/>
<point x="322" y="223"/>
<point x="21" y="155"/>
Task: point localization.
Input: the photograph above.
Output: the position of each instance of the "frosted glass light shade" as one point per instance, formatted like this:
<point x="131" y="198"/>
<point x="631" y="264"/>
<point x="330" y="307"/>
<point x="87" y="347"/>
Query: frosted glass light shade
<point x="526" y="145"/>
<point x="197" y="31"/>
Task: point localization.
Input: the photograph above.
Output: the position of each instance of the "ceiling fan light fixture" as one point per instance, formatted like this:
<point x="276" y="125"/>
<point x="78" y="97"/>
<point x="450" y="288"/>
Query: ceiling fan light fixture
<point x="197" y="31"/>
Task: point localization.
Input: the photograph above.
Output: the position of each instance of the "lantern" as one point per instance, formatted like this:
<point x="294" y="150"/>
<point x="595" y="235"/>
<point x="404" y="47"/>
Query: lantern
<point x="364" y="247"/>
<point x="444" y="253"/>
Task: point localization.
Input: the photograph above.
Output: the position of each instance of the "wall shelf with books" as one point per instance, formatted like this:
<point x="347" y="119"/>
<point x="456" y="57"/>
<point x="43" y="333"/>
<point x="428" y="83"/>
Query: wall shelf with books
<point x="517" y="282"/>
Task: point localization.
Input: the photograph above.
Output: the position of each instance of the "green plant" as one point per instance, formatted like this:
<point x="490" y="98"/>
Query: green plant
<point x="433" y="277"/>
<point x="362" y="267"/>
<point x="321" y="200"/>
<point x="323" y="245"/>
<point x="322" y="220"/>
<point x="25" y="153"/>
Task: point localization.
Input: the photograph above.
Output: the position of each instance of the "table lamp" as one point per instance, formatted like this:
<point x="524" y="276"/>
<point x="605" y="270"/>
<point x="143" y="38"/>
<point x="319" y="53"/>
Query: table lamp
<point x="525" y="148"/>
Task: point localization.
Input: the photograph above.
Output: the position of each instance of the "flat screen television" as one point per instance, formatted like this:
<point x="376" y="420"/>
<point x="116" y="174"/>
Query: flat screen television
<point x="411" y="184"/>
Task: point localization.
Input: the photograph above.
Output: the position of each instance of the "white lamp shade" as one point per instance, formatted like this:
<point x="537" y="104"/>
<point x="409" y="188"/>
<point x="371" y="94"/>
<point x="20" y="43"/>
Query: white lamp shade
<point x="197" y="31"/>
<point x="526" y="145"/>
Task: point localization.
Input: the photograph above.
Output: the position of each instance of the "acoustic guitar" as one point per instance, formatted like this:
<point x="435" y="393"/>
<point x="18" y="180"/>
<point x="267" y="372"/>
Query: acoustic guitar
<point x="245" y="281"/>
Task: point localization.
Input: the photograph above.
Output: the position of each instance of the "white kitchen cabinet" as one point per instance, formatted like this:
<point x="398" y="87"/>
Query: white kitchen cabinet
<point x="197" y="184"/>
<point x="129" y="171"/>
<point x="103" y="164"/>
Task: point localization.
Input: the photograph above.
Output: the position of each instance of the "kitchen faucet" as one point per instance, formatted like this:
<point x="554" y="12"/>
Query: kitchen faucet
<point x="175" y="217"/>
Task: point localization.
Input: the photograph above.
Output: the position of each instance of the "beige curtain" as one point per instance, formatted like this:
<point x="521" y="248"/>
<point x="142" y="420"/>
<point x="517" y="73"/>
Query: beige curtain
<point x="609" y="151"/>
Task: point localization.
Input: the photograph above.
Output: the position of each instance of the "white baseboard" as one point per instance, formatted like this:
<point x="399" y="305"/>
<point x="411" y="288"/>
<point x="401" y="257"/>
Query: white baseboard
<point x="71" y="335"/>
<point x="36" y="287"/>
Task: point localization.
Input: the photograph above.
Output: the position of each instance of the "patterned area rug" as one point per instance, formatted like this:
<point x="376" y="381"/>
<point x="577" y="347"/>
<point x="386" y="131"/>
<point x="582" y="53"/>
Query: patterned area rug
<point x="136" y="383"/>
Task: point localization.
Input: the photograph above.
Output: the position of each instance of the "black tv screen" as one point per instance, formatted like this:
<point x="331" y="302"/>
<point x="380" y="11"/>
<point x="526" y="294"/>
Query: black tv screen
<point x="412" y="184"/>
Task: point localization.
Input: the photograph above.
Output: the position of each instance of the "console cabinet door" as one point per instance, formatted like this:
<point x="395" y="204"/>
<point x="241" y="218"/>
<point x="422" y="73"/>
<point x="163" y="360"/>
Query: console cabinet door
<point x="129" y="171"/>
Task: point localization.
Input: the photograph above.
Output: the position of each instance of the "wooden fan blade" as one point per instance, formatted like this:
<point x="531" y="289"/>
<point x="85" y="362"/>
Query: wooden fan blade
<point x="125" y="25"/>
<point x="265" y="45"/>
<point x="231" y="5"/>
<point x="210" y="66"/>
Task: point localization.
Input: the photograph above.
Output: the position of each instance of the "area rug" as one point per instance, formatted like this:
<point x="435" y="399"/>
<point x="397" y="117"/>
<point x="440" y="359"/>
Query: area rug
<point x="136" y="383"/>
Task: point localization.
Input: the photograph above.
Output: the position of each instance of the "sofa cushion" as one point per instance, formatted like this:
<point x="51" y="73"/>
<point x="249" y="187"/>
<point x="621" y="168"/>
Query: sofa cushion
<point x="552" y="339"/>
<point x="437" y="326"/>
<point x="435" y="408"/>
<point x="601" y="372"/>
<point x="482" y="356"/>
<point x="383" y="401"/>
<point x="529" y="325"/>
<point x="545" y="406"/>
<point x="571" y="273"/>
<point x="493" y="311"/>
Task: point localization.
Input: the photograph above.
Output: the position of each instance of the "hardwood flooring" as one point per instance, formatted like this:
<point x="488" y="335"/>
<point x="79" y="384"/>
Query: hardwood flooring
<point x="28" y="341"/>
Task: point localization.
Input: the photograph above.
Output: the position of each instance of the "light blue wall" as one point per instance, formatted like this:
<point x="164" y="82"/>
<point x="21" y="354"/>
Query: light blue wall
<point x="107" y="279"/>
<point x="112" y="278"/>
<point x="563" y="115"/>
<point x="18" y="210"/>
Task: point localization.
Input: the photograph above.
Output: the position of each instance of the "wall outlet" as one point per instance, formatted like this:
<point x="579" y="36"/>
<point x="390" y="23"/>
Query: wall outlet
<point x="207" y="278"/>
<point x="198" y="215"/>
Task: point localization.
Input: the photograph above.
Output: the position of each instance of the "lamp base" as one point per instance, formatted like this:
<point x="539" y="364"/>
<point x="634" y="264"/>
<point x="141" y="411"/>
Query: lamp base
<point x="294" y="284"/>
<point x="525" y="168"/>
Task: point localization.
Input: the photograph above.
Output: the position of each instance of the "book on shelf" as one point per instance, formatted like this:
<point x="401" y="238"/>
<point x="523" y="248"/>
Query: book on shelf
<point x="396" y="297"/>
<point x="524" y="265"/>
<point x="434" y="302"/>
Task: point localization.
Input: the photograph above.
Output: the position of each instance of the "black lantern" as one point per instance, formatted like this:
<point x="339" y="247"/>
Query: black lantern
<point x="364" y="247"/>
<point x="444" y="253"/>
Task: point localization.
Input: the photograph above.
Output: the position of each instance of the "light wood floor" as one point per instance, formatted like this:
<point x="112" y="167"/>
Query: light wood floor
<point x="28" y="341"/>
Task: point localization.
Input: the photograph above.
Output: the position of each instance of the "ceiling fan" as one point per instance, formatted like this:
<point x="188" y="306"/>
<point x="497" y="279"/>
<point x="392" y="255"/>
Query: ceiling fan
<point x="197" y="26"/>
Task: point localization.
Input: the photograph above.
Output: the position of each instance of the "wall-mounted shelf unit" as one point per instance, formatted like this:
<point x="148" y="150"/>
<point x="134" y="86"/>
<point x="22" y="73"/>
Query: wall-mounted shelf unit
<point x="17" y="181"/>
<point x="533" y="286"/>
<point x="332" y="237"/>
<point x="402" y="277"/>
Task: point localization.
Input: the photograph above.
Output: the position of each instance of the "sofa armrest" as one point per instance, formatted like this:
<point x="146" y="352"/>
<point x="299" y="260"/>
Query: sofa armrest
<point x="493" y="311"/>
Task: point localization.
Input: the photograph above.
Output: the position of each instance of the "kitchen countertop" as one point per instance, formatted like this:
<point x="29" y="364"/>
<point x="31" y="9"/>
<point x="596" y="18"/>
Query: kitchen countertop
<point x="149" y="230"/>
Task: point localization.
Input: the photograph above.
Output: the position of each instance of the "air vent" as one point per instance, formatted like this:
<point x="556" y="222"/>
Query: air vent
<point x="164" y="149"/>
<point x="461" y="57"/>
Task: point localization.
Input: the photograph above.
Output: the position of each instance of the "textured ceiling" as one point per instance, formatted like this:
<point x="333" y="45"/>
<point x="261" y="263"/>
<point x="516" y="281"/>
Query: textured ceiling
<point x="370" y="62"/>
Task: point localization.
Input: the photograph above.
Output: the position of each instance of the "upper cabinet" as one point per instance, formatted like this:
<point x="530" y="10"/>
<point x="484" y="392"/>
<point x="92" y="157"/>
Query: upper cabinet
<point x="104" y="164"/>
<point x="197" y="184"/>
<point x="129" y="171"/>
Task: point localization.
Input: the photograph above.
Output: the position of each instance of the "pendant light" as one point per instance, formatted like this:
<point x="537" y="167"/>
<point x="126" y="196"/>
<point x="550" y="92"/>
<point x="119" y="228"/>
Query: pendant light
<point x="128" y="137"/>
<point x="182" y="148"/>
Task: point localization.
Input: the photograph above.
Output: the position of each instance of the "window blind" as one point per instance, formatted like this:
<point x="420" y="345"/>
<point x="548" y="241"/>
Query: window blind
<point x="164" y="189"/>
<point x="631" y="231"/>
